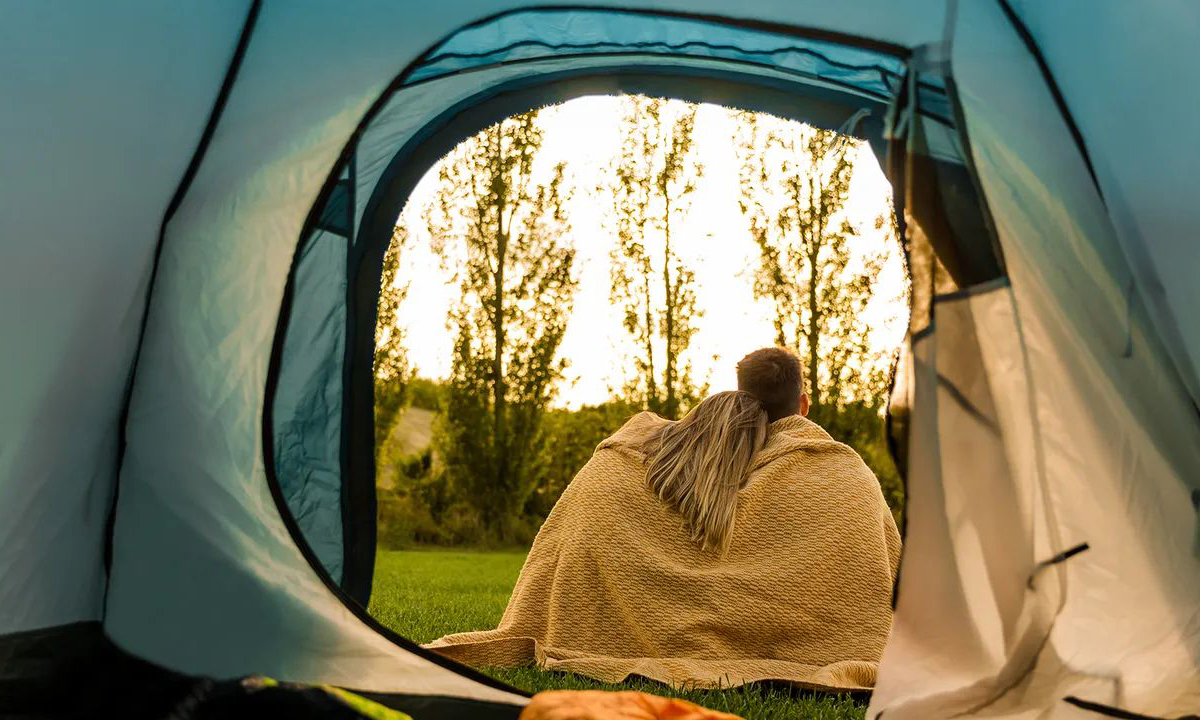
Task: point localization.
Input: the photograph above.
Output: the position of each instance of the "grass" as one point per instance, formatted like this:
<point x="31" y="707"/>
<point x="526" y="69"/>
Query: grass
<point x="424" y="594"/>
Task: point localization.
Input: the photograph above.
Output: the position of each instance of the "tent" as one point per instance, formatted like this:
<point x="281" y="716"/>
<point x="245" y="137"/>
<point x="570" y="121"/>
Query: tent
<point x="195" y="202"/>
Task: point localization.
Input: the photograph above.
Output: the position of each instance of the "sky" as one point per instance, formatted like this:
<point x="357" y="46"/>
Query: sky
<point x="714" y="241"/>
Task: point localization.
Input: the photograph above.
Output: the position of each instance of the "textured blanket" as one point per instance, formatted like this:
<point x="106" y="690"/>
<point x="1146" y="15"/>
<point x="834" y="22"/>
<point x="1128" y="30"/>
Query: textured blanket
<point x="613" y="586"/>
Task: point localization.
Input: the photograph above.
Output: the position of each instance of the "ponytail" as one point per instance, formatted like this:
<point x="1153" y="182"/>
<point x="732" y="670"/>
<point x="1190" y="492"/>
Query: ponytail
<point x="698" y="464"/>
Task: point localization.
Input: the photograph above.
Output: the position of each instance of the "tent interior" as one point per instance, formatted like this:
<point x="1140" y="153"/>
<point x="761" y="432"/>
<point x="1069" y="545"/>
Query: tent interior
<point x="192" y="268"/>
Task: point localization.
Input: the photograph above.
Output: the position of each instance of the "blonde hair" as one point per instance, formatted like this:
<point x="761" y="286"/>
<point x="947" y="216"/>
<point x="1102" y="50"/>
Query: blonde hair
<point x="697" y="465"/>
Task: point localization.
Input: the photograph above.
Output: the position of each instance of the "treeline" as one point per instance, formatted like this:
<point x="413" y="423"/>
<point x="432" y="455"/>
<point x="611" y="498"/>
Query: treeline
<point x="423" y="506"/>
<point x="500" y="455"/>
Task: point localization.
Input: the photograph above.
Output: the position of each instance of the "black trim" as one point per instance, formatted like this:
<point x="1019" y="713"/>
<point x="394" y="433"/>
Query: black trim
<point x="1055" y="92"/>
<point x="74" y="671"/>
<point x="982" y="288"/>
<point x="77" y="671"/>
<point x="643" y="45"/>
<point x="358" y="501"/>
<point x="1114" y="712"/>
<point x="812" y="33"/>
<point x="444" y="707"/>
<point x="185" y="182"/>
<point x="1059" y="558"/>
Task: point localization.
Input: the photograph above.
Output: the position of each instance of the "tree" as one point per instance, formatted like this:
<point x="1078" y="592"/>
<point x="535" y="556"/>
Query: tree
<point x="795" y="185"/>
<point x="655" y="175"/>
<point x="813" y="268"/>
<point x="391" y="364"/>
<point x="505" y="235"/>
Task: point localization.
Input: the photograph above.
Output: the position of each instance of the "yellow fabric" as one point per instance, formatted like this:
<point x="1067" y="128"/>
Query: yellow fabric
<point x="602" y="705"/>
<point x="614" y="587"/>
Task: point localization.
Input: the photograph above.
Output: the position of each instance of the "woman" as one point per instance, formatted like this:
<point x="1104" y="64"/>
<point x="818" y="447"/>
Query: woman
<point x="740" y="543"/>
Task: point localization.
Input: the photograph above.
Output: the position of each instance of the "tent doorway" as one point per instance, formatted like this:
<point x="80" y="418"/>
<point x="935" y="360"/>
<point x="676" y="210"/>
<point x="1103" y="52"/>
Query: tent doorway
<point x="324" y="351"/>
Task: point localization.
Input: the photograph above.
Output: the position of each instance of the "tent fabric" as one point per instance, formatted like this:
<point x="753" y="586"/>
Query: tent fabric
<point x="1115" y="465"/>
<point x="1086" y="355"/>
<point x="307" y="414"/>
<point x="539" y="34"/>
<point x="98" y="124"/>
<point x="202" y="559"/>
<point x="1128" y="62"/>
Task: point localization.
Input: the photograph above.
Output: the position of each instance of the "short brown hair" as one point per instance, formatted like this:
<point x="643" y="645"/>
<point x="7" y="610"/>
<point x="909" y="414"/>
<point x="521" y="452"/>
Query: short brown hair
<point x="774" y="376"/>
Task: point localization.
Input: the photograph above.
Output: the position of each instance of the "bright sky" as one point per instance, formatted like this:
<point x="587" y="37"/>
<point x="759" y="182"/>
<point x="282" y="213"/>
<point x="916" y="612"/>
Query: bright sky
<point x="585" y="134"/>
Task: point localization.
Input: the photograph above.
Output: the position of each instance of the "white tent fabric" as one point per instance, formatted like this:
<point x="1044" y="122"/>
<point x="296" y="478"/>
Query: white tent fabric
<point x="1116" y="467"/>
<point x="1086" y="356"/>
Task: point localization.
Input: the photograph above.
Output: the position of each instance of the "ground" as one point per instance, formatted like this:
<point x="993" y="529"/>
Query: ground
<point x="424" y="594"/>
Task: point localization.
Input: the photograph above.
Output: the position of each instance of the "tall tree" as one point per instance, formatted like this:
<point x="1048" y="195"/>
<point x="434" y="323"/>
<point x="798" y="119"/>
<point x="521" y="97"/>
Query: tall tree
<point x="505" y="235"/>
<point x="653" y="179"/>
<point x="813" y="267"/>
<point x="391" y="365"/>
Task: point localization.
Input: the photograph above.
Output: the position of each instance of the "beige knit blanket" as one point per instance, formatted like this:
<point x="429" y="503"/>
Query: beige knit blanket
<point x="613" y="586"/>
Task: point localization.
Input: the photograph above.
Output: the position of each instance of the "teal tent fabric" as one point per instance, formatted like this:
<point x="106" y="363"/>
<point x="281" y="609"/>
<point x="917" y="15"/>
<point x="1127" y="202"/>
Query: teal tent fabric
<point x="308" y="399"/>
<point x="213" y="571"/>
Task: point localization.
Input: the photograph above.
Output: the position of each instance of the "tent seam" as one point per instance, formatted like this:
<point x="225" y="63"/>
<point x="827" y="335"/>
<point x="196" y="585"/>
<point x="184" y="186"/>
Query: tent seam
<point x="1055" y="92"/>
<point x="185" y="182"/>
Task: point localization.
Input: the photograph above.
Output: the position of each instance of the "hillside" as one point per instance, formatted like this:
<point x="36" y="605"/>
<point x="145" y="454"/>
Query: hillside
<point x="413" y="432"/>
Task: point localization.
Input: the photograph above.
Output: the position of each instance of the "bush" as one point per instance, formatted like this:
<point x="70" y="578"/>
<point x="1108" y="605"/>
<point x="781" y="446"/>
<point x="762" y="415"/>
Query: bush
<point x="425" y="394"/>
<point x="425" y="508"/>
<point x="568" y="440"/>
<point x="403" y="522"/>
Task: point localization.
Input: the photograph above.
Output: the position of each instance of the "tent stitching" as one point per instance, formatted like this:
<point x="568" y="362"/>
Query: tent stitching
<point x="185" y="182"/>
<point x="1059" y="101"/>
<point x="814" y="33"/>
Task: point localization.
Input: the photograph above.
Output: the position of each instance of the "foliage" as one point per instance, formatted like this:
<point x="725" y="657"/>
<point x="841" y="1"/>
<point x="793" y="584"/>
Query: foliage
<point x="423" y="508"/>
<point x="569" y="440"/>
<point x="501" y="456"/>
<point x="425" y="394"/>
<point x="655" y="175"/>
<point x="504" y="233"/>
<point x="795" y="184"/>
<point x="427" y="594"/>
<point x="391" y="364"/>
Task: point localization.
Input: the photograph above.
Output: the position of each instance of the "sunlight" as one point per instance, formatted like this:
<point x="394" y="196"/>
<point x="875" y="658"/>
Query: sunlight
<point x="585" y="133"/>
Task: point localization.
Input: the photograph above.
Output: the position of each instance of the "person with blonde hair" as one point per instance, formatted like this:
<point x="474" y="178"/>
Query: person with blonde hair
<point x="740" y="543"/>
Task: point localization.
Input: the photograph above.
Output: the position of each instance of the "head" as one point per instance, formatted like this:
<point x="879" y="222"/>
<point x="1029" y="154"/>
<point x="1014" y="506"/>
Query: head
<point x="698" y="464"/>
<point x="774" y="376"/>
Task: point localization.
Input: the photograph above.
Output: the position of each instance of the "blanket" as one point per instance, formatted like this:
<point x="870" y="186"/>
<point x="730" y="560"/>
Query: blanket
<point x="614" y="587"/>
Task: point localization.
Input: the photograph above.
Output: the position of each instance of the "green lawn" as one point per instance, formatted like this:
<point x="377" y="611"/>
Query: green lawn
<point x="424" y="594"/>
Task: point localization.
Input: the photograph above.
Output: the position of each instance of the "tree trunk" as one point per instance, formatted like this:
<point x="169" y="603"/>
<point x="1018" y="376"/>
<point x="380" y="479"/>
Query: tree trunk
<point x="499" y="387"/>
<point x="671" y="403"/>
<point x="651" y="382"/>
